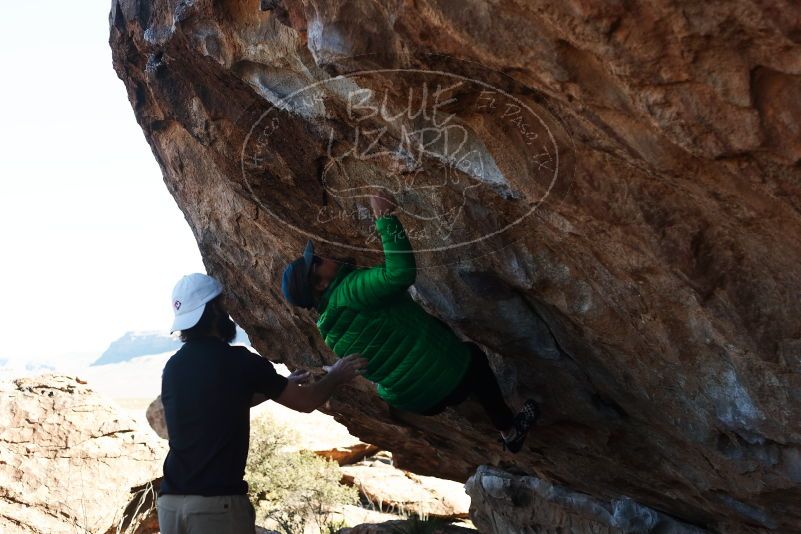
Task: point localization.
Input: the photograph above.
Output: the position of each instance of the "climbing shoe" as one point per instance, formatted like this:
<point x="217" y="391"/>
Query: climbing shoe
<point x="525" y="419"/>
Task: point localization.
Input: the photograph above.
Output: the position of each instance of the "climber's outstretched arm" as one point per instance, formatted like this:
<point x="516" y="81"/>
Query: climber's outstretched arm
<point x="369" y="287"/>
<point x="304" y="396"/>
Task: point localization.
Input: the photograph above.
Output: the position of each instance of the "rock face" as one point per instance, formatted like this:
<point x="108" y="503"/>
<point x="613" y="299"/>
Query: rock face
<point x="68" y="458"/>
<point x="507" y="504"/>
<point x="604" y="195"/>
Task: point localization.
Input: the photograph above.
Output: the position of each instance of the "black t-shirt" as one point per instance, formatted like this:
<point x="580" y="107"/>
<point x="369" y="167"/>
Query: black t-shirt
<point x="206" y="388"/>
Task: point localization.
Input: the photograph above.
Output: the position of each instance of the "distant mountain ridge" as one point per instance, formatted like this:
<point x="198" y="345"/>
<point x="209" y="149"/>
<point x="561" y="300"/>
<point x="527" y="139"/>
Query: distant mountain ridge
<point x="142" y="343"/>
<point x="10" y="369"/>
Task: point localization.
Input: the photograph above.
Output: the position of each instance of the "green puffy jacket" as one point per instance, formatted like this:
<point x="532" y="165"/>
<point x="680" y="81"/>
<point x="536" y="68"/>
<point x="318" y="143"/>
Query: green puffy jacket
<point x="415" y="359"/>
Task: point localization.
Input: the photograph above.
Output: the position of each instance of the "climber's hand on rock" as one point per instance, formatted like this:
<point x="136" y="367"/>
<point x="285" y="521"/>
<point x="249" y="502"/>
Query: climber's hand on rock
<point x="347" y="368"/>
<point x="382" y="203"/>
<point x="299" y="377"/>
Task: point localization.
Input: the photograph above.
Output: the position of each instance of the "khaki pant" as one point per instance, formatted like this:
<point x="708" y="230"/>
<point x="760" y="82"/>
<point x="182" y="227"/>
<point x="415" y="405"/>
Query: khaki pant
<point x="195" y="514"/>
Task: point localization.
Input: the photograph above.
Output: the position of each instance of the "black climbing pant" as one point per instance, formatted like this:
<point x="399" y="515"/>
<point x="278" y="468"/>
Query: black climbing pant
<point x="480" y="382"/>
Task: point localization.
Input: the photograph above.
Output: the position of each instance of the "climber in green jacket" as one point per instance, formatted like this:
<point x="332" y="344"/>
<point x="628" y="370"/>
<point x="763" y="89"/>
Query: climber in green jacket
<point x="416" y="360"/>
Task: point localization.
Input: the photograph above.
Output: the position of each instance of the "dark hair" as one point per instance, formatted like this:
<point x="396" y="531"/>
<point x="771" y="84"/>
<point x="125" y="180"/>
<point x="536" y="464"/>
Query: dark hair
<point x="205" y="325"/>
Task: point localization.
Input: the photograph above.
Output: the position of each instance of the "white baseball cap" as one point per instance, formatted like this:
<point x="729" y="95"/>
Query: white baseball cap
<point x="189" y="299"/>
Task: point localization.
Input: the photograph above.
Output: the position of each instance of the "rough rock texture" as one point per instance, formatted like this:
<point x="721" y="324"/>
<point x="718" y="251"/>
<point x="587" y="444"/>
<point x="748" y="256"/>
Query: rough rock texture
<point x="349" y="455"/>
<point x="68" y="458"/>
<point x="615" y="217"/>
<point x="155" y="418"/>
<point x="507" y="504"/>
<point x="140" y="515"/>
<point x="396" y="491"/>
<point x="400" y="526"/>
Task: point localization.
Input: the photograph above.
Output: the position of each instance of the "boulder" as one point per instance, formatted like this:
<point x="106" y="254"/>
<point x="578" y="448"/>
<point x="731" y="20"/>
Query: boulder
<point x="155" y="418"/>
<point x="603" y="195"/>
<point x="68" y="457"/>
<point x="396" y="491"/>
<point x="401" y="526"/>
<point x="503" y="503"/>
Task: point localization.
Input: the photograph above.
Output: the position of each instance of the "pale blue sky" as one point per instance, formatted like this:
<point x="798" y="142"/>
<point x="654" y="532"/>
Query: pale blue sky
<point x="92" y="242"/>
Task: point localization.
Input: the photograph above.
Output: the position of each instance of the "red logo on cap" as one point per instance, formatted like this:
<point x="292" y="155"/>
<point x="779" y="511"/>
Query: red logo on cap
<point x="177" y="304"/>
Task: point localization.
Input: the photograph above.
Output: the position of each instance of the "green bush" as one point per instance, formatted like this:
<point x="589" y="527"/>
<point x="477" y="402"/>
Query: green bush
<point x="291" y="489"/>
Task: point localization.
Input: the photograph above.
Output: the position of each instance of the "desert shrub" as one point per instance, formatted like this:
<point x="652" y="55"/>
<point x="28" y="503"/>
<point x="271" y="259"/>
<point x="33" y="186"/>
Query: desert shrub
<point x="291" y="489"/>
<point x="334" y="526"/>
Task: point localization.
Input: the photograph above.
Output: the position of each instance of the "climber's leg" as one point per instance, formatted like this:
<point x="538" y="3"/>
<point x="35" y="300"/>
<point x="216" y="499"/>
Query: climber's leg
<point x="480" y="382"/>
<point x="513" y="428"/>
<point x="485" y="388"/>
<point x="457" y="396"/>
